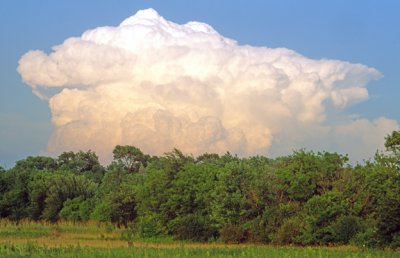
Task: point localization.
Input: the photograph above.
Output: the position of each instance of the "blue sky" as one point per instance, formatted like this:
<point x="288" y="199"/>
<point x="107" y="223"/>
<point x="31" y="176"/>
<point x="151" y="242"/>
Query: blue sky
<point x="365" y="32"/>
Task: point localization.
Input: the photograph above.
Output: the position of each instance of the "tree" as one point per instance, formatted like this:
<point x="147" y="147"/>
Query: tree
<point x="130" y="157"/>
<point x="115" y="197"/>
<point x="36" y="163"/>
<point x="77" y="209"/>
<point x="388" y="207"/>
<point x="14" y="202"/>
<point x="151" y="192"/>
<point x="123" y="204"/>
<point x="86" y="163"/>
<point x="297" y="174"/>
<point x="3" y="181"/>
<point x="392" y="144"/>
<point x="63" y="187"/>
<point x="189" y="199"/>
<point x="229" y="204"/>
<point x="38" y="187"/>
<point x="321" y="212"/>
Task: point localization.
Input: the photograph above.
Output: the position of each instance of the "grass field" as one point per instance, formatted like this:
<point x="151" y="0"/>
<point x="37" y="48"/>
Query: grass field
<point x="31" y="239"/>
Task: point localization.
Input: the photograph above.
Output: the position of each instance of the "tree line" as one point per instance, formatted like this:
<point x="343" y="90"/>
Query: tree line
<point x="305" y="198"/>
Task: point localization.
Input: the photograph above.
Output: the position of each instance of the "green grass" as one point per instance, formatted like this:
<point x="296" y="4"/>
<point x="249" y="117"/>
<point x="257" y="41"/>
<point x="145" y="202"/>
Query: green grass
<point x="33" y="250"/>
<point x="32" y="239"/>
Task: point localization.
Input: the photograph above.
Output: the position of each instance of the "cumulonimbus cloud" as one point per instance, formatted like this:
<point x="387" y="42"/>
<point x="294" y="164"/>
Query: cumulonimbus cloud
<point x="158" y="85"/>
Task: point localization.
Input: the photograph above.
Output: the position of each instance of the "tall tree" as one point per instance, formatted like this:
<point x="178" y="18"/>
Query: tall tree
<point x="86" y="163"/>
<point x="130" y="157"/>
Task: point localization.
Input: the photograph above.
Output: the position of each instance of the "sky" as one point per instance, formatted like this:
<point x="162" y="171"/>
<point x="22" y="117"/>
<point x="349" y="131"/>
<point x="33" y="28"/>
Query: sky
<point x="252" y="77"/>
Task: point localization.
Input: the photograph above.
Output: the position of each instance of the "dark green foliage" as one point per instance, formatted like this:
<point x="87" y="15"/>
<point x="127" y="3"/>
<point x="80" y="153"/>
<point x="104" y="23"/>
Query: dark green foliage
<point x="321" y="213"/>
<point x="290" y="230"/>
<point x="150" y="226"/>
<point x="77" y="209"/>
<point x="116" y="201"/>
<point x="306" y="198"/>
<point x="36" y="163"/>
<point x="14" y="201"/>
<point x="38" y="188"/>
<point x="130" y="157"/>
<point x="230" y="204"/>
<point x="345" y="228"/>
<point x="63" y="187"/>
<point x="233" y="234"/>
<point x="392" y="142"/>
<point x="84" y="163"/>
<point x="388" y="210"/>
<point x="4" y="187"/>
<point x="123" y="206"/>
<point x="192" y="227"/>
<point x="392" y="145"/>
<point x="367" y="238"/>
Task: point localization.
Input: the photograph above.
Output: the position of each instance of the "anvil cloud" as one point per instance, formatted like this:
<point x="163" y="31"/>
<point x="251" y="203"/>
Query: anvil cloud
<point x="158" y="85"/>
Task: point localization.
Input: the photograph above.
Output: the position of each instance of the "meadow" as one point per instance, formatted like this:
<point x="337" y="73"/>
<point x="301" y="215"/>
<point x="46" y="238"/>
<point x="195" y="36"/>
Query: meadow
<point x="92" y="239"/>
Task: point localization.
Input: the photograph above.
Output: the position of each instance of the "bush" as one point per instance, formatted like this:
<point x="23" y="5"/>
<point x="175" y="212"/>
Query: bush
<point x="257" y="231"/>
<point x="395" y="244"/>
<point x="119" y="208"/>
<point x="367" y="238"/>
<point x="77" y="209"/>
<point x="233" y="234"/>
<point x="321" y="213"/>
<point x="191" y="227"/>
<point x="149" y="226"/>
<point x="346" y="228"/>
<point x="102" y="212"/>
<point x="288" y="231"/>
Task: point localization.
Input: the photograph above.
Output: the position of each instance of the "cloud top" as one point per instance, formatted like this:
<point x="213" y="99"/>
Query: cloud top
<point x="159" y="85"/>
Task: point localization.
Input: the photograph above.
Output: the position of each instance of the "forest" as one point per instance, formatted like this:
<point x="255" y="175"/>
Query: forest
<point x="306" y="198"/>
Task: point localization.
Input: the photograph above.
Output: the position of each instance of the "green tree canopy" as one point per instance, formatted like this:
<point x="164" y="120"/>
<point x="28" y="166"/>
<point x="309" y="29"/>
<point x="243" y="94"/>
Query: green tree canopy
<point x="129" y="157"/>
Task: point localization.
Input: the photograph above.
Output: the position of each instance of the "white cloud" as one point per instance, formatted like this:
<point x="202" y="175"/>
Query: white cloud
<point x="158" y="85"/>
<point x="362" y="137"/>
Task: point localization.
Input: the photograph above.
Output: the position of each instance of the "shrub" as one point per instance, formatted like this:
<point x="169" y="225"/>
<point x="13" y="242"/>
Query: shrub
<point x="257" y="231"/>
<point x="191" y="227"/>
<point x="233" y="234"/>
<point x="102" y="212"/>
<point x="367" y="238"/>
<point x="77" y="209"/>
<point x="395" y="244"/>
<point x="345" y="228"/>
<point x="149" y="226"/>
<point x="288" y="231"/>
